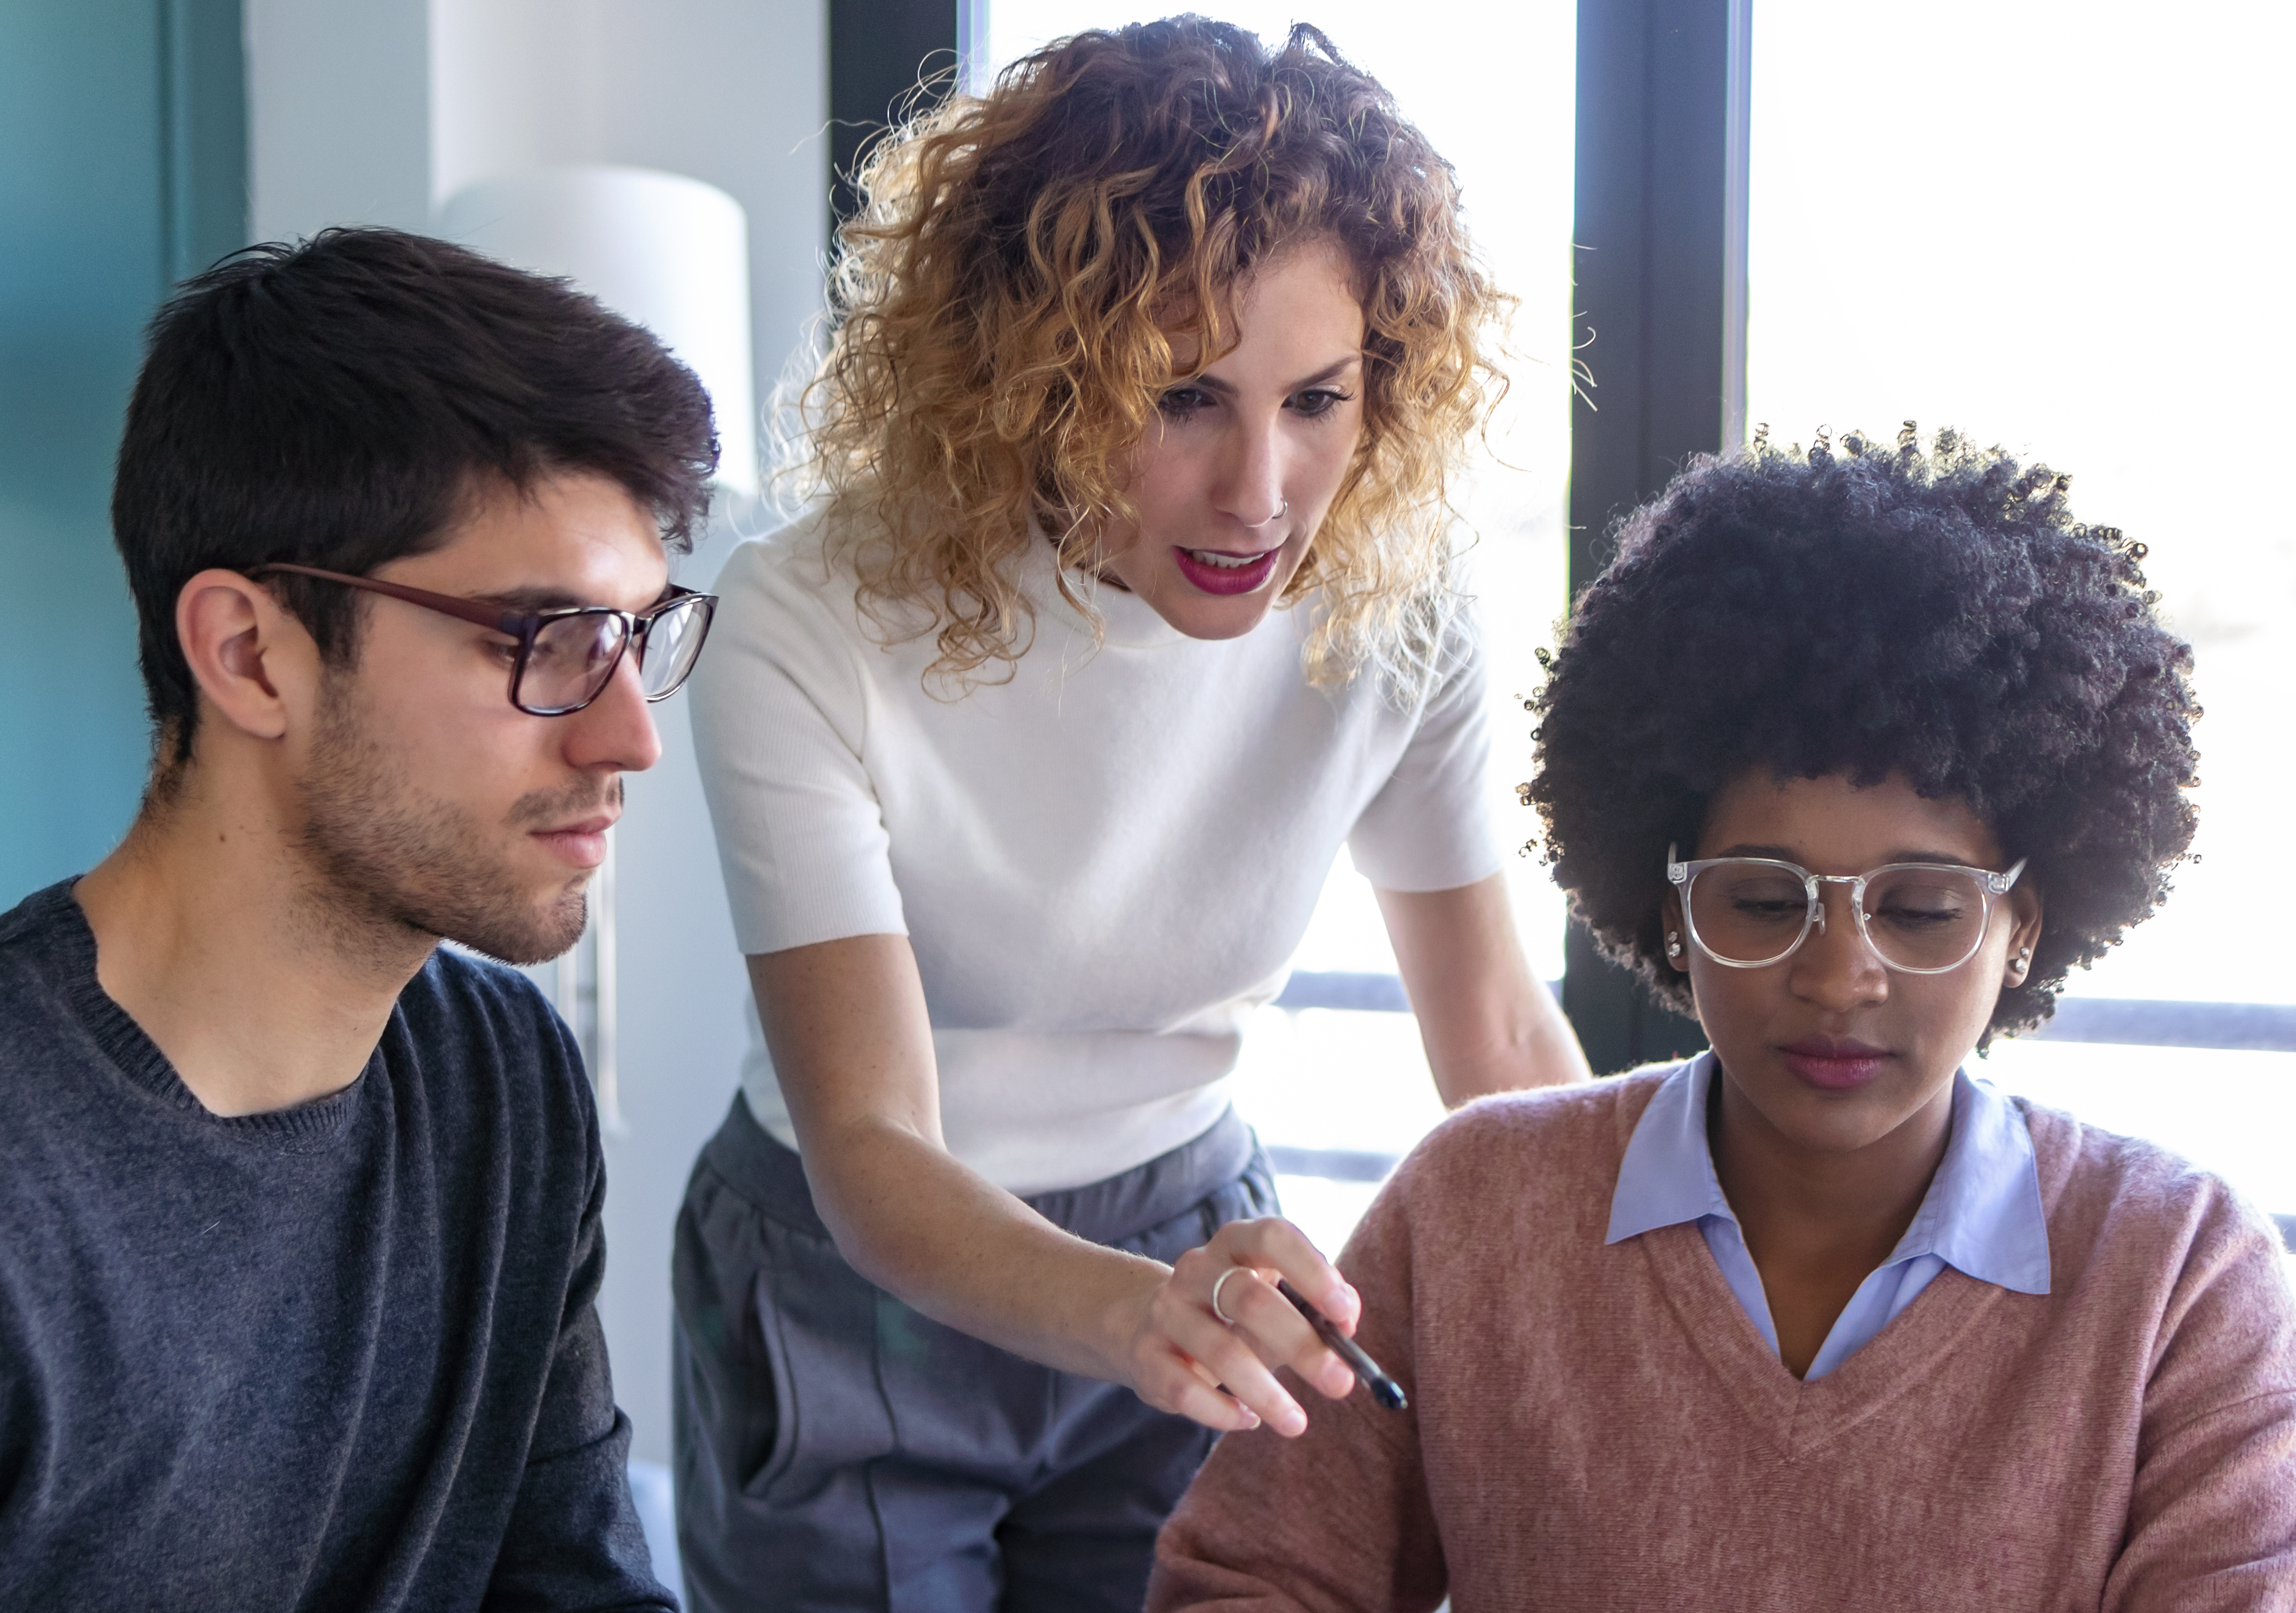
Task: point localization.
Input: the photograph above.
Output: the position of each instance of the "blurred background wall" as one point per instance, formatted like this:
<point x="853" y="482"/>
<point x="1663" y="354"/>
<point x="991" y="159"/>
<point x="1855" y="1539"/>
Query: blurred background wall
<point x="123" y="132"/>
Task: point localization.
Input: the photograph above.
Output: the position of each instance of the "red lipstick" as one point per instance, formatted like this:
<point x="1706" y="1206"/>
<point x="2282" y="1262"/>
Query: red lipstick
<point x="1210" y="577"/>
<point x="1834" y="1063"/>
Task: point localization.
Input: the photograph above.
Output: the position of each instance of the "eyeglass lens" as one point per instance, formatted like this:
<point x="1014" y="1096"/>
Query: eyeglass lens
<point x="1917" y="917"/>
<point x="570" y="659"/>
<point x="573" y="656"/>
<point x="673" y="643"/>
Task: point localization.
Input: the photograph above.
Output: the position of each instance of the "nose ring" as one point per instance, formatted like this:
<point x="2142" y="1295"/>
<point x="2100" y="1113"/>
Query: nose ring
<point x="1282" y="509"/>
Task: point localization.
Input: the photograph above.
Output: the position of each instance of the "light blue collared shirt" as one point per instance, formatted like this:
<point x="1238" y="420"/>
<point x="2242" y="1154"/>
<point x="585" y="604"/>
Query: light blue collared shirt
<point x="1982" y="1216"/>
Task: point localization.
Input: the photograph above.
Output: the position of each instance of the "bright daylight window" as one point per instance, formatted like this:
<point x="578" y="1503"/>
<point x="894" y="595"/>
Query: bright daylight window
<point x="1491" y="86"/>
<point x="2058" y="226"/>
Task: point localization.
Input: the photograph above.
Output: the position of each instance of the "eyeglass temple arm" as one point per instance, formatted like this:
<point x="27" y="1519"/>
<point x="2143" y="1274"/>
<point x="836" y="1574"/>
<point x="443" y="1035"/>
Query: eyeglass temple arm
<point x="512" y="622"/>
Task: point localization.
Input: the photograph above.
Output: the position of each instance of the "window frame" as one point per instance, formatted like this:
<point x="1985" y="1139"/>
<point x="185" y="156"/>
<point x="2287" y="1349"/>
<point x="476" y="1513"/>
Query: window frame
<point x="1659" y="222"/>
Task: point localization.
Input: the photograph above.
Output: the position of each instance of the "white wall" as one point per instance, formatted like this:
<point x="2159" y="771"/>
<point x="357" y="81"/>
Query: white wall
<point x="374" y="110"/>
<point x="733" y="93"/>
<point x="339" y="108"/>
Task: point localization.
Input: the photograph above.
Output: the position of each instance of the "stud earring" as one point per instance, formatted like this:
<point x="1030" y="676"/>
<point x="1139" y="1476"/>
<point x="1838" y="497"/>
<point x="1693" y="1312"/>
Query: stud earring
<point x="1673" y="943"/>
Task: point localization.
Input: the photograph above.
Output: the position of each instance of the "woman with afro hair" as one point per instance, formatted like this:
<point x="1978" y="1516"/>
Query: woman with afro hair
<point x="1852" y="754"/>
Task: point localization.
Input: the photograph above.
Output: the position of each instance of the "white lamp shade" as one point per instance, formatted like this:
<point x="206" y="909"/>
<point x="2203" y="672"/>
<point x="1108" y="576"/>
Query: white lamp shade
<point x="669" y="252"/>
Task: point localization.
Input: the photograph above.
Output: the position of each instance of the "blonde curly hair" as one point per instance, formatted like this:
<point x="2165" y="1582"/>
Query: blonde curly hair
<point x="1004" y="306"/>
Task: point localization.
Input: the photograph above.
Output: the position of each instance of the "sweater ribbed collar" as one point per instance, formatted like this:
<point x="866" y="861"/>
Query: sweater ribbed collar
<point x="71" y="946"/>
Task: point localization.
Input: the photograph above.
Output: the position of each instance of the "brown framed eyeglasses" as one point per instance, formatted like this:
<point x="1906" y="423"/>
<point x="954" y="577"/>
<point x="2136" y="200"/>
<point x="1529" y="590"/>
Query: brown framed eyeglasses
<point x="566" y="657"/>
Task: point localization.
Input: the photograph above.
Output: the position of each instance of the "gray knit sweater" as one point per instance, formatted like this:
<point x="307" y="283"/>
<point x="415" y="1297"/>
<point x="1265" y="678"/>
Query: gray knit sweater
<point x="339" y="1356"/>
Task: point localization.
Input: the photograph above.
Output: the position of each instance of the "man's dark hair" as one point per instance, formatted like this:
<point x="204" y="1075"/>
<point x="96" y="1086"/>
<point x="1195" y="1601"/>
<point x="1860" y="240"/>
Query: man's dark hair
<point x="1940" y="615"/>
<point x="335" y="403"/>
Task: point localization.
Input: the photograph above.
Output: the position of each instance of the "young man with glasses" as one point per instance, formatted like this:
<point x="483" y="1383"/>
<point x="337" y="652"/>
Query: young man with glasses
<point x="299" y="1212"/>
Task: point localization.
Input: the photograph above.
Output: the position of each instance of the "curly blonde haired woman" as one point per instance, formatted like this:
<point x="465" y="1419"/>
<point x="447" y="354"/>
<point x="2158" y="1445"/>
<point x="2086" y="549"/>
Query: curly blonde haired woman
<point x="1123" y="608"/>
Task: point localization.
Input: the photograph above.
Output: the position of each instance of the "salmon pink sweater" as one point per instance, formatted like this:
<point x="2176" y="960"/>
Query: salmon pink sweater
<point x="1602" y="1427"/>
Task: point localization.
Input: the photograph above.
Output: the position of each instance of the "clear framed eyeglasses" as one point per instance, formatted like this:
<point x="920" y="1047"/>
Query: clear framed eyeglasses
<point x="1919" y="918"/>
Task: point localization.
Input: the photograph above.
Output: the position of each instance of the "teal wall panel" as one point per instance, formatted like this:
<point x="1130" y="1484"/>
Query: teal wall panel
<point x="122" y="165"/>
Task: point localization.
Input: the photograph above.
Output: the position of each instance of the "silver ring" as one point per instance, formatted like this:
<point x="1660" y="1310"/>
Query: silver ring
<point x="1220" y="1282"/>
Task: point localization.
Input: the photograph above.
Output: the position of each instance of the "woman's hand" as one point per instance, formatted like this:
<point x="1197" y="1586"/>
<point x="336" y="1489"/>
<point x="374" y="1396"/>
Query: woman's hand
<point x="1181" y="1355"/>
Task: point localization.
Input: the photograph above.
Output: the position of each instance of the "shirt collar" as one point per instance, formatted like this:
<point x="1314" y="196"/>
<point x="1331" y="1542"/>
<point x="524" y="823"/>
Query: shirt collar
<point x="1982" y="1216"/>
<point x="1667" y="1174"/>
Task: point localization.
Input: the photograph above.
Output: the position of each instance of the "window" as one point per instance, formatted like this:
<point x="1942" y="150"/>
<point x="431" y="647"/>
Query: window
<point x="1491" y="85"/>
<point x="2040" y="226"/>
<point x="2057" y="226"/>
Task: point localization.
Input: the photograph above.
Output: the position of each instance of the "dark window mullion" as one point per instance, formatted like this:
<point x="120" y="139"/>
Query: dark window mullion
<point x="878" y="51"/>
<point x="1659" y="226"/>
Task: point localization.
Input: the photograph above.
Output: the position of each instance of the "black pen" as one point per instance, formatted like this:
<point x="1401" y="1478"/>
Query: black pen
<point x="1383" y="1388"/>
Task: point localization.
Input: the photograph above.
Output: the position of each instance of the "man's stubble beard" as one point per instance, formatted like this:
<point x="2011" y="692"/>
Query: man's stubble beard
<point x="391" y="865"/>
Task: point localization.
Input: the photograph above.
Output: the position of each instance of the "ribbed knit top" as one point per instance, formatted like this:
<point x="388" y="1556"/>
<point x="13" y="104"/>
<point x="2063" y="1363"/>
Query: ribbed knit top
<point x="1103" y="857"/>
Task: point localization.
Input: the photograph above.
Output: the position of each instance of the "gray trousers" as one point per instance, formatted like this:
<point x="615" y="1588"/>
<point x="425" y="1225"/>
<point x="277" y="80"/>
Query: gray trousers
<point x="837" y="1450"/>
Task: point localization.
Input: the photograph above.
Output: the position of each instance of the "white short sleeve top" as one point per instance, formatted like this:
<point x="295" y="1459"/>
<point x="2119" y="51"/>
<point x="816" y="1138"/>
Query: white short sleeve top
<point x="1103" y="863"/>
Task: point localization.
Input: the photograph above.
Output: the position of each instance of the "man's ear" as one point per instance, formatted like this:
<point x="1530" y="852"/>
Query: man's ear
<point x="249" y="656"/>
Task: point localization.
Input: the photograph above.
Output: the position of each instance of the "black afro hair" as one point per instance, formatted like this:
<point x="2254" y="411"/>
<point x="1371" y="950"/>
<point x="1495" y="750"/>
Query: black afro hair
<point x="1935" y="615"/>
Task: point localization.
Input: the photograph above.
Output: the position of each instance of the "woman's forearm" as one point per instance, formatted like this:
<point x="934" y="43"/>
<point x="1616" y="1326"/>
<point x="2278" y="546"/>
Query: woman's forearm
<point x="912" y="1219"/>
<point x="1488" y="1023"/>
<point x="845" y="1021"/>
<point x="1534" y="1045"/>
